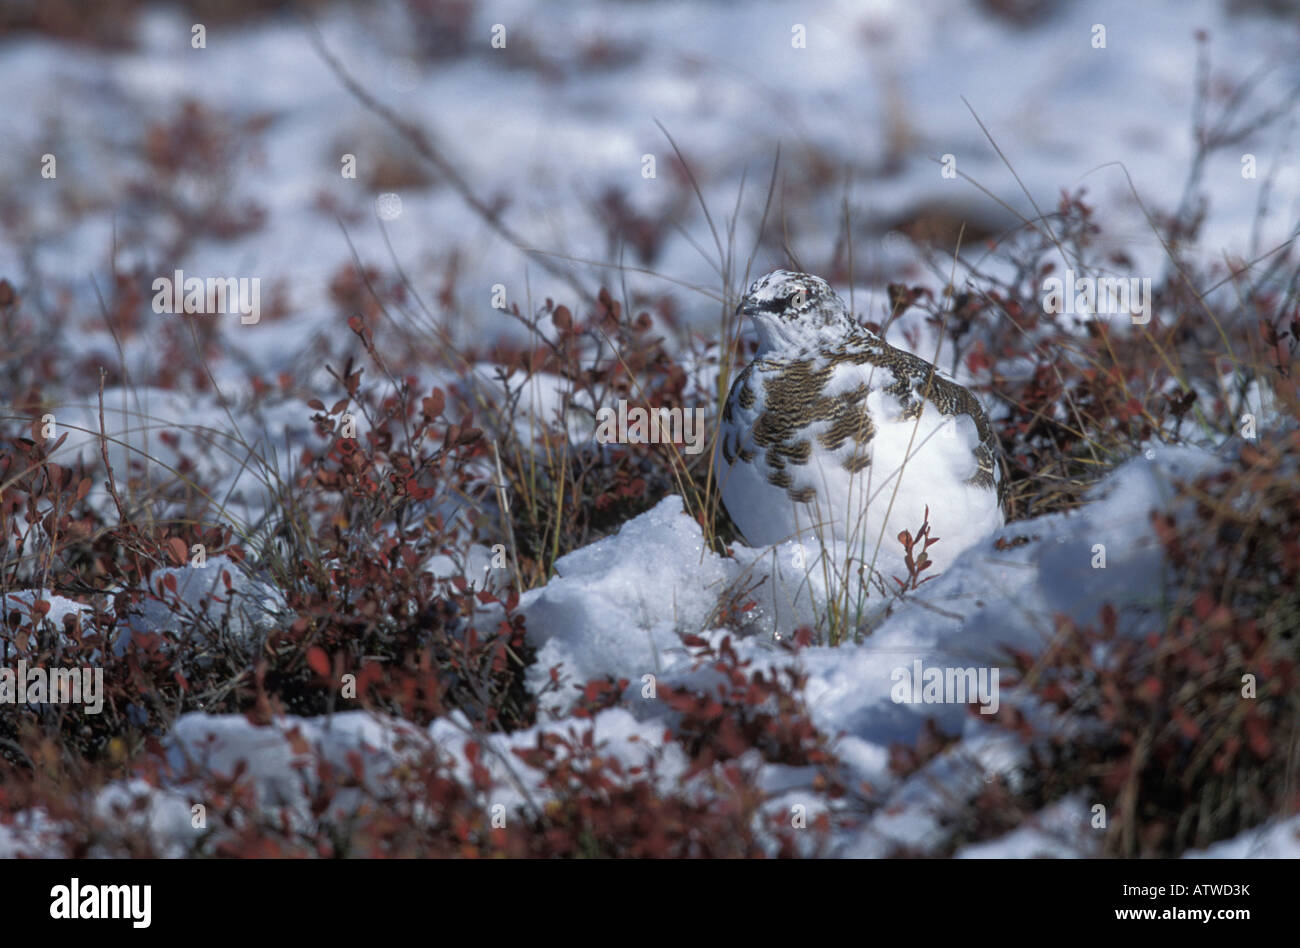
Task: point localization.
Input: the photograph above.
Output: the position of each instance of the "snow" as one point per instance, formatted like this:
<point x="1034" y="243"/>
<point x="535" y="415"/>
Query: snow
<point x="1059" y="108"/>
<point x="880" y="84"/>
<point x="135" y="808"/>
<point x="619" y="608"/>
<point x="621" y="603"/>
<point x="1059" y="831"/>
<point x="280" y="764"/>
<point x="61" y="607"/>
<point x="31" y="835"/>
<point x="202" y="604"/>
<point x="282" y="770"/>
<point x="1279" y="839"/>
<point x="241" y="451"/>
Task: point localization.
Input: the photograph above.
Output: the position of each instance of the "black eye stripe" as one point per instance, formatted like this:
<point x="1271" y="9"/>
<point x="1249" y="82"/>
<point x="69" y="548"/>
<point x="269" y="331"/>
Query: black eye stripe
<point x="798" y="298"/>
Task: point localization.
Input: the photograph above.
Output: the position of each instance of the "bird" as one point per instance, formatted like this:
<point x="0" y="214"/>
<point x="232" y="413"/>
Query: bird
<point x="830" y="434"/>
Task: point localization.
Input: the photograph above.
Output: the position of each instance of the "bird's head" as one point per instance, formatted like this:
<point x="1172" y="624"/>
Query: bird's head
<point x="794" y="310"/>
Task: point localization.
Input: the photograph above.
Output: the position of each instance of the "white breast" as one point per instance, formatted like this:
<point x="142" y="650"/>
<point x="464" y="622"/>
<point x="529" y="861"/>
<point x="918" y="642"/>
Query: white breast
<point x="913" y="463"/>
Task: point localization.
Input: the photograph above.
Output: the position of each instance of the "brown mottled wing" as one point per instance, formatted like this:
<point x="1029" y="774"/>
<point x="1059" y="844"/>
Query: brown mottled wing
<point x="792" y="400"/>
<point x="915" y="381"/>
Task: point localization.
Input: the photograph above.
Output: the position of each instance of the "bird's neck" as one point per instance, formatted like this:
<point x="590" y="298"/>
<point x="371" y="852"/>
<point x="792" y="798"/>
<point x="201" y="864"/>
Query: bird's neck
<point x="792" y="341"/>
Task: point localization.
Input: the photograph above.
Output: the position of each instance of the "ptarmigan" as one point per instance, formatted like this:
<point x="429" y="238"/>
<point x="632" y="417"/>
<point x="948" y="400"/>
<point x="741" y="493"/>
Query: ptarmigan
<point x="830" y="428"/>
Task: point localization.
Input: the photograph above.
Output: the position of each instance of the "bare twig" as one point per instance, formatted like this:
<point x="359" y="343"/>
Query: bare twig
<point x="419" y="140"/>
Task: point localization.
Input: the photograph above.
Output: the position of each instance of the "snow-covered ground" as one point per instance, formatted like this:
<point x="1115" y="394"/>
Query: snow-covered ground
<point x="619" y="608"/>
<point x="877" y="93"/>
<point x="882" y="90"/>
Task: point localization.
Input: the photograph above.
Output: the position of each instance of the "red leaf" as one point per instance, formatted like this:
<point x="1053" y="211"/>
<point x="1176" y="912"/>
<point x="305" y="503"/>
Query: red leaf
<point x="176" y="547"/>
<point x="1257" y="736"/>
<point x="1150" y="689"/>
<point x="318" y="661"/>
